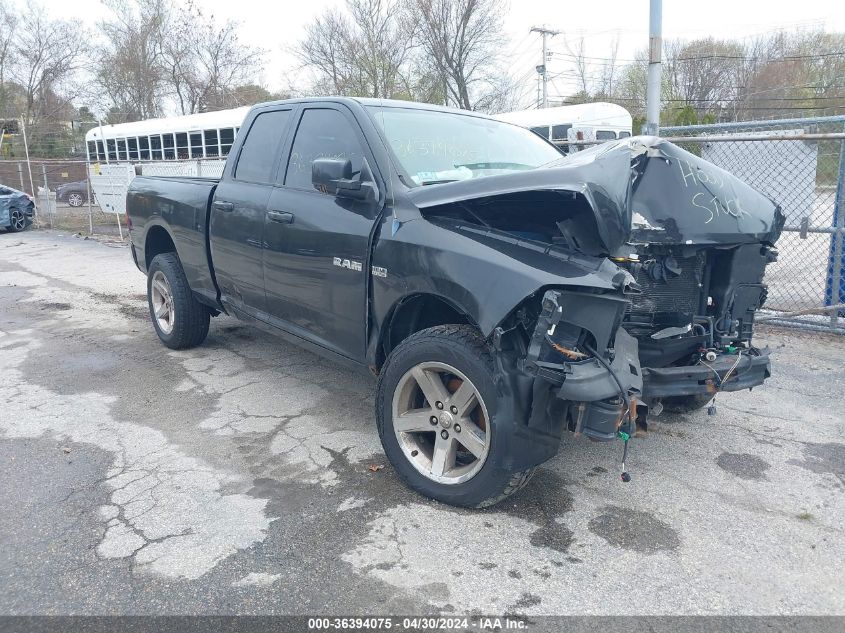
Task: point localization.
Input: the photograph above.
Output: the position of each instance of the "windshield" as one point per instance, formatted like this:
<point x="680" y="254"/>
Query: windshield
<point x="435" y="147"/>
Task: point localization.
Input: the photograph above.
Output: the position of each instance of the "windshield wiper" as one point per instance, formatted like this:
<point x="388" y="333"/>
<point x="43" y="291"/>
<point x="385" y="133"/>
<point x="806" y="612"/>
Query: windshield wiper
<point x="438" y="182"/>
<point x="495" y="165"/>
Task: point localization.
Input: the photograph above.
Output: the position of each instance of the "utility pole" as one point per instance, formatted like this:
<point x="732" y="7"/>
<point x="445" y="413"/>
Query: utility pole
<point x="541" y="69"/>
<point x="655" y="50"/>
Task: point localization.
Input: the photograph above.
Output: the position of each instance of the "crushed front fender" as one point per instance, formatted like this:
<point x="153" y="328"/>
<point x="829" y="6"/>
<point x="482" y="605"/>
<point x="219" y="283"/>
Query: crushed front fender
<point x="600" y="393"/>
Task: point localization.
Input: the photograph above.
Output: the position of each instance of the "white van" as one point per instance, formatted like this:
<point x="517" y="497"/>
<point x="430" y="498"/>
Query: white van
<point x="583" y="122"/>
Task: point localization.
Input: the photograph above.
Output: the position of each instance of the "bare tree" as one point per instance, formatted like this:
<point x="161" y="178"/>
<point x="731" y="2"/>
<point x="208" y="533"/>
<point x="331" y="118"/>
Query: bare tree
<point x="702" y="74"/>
<point x="48" y="55"/>
<point x="439" y="51"/>
<point x="461" y="38"/>
<point x="579" y="61"/>
<point x="324" y="50"/>
<point x="130" y="70"/>
<point x="793" y="72"/>
<point x="385" y="40"/>
<point x="363" y="50"/>
<point x="610" y="70"/>
<point x="204" y="63"/>
<point x="8" y="26"/>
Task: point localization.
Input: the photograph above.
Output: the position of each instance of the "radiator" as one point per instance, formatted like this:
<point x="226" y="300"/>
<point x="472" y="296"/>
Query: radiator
<point x="675" y="294"/>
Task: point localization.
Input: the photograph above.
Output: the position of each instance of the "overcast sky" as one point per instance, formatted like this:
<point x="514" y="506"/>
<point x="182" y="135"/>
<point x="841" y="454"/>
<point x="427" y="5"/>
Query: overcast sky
<point x="275" y="25"/>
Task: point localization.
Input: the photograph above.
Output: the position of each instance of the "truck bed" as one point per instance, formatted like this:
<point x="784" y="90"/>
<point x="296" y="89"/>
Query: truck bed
<point x="182" y="204"/>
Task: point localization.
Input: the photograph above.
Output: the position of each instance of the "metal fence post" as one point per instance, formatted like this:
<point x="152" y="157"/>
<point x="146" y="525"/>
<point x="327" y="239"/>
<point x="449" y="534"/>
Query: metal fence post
<point x="835" y="292"/>
<point x="20" y="173"/>
<point x="88" y="186"/>
<point x="29" y="165"/>
<point x="47" y="194"/>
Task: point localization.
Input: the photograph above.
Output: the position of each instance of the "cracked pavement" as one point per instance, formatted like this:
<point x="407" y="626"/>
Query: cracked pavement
<point x="233" y="478"/>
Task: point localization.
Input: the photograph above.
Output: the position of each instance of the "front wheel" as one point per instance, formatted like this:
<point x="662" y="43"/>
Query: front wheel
<point x="436" y="410"/>
<point x="180" y="321"/>
<point x="17" y="220"/>
<point x="75" y="199"/>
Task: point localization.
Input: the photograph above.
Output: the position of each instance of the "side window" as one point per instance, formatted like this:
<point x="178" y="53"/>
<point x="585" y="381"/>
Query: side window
<point x="212" y="148"/>
<point x="196" y="144"/>
<point x="542" y="130"/>
<point x="560" y="132"/>
<point x="227" y="137"/>
<point x="321" y="134"/>
<point x="144" y="147"/>
<point x="181" y="145"/>
<point x="624" y="134"/>
<point x="169" y="151"/>
<point x="256" y="159"/>
<point x="155" y="147"/>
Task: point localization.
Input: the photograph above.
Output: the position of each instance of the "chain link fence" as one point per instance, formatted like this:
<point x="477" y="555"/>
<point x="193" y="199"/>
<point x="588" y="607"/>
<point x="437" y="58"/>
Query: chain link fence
<point x="62" y="193"/>
<point x="72" y="195"/>
<point x="799" y="163"/>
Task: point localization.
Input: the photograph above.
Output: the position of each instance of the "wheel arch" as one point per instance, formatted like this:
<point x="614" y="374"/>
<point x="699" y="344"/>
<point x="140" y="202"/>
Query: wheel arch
<point x="413" y="313"/>
<point x="158" y="240"/>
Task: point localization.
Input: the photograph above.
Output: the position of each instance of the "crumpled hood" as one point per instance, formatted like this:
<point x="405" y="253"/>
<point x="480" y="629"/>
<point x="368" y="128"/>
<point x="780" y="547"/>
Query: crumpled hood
<point x="641" y="189"/>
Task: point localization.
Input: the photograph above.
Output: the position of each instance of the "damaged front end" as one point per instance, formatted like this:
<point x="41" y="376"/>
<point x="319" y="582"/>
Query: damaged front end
<point x="601" y="388"/>
<point x="679" y="246"/>
<point x="695" y="246"/>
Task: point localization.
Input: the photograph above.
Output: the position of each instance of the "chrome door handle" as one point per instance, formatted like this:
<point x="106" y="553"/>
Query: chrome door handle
<point x="220" y="205"/>
<point x="282" y="217"/>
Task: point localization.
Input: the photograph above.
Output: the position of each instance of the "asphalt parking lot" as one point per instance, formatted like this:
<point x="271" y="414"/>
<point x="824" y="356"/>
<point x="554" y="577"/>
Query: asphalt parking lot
<point x="242" y="477"/>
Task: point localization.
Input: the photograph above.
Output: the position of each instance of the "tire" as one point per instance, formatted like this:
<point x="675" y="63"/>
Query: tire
<point x="17" y="221"/>
<point x="75" y="199"/>
<point x="686" y="404"/>
<point x="461" y="361"/>
<point x="180" y="321"/>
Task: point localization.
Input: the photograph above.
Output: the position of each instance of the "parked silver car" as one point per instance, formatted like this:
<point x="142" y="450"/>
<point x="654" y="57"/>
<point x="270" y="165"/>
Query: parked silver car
<point x="16" y="209"/>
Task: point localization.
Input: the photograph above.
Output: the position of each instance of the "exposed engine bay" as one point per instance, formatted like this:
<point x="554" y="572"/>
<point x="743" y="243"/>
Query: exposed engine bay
<point x="690" y="243"/>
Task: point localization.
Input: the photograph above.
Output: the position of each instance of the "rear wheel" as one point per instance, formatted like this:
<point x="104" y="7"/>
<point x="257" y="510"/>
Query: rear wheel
<point x="436" y="413"/>
<point x="17" y="220"/>
<point x="179" y="319"/>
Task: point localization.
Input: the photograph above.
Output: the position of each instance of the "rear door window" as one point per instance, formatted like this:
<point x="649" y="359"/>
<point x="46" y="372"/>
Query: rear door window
<point x="605" y="135"/>
<point x="256" y="162"/>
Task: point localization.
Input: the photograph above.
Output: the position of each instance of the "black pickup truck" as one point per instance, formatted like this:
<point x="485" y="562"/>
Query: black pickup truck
<point x="501" y="292"/>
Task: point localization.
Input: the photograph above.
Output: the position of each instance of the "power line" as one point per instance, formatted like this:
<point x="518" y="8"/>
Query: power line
<point x="783" y="58"/>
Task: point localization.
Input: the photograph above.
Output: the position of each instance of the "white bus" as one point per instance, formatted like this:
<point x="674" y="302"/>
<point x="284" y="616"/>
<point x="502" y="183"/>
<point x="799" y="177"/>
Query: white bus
<point x="190" y="145"/>
<point x="583" y="122"/>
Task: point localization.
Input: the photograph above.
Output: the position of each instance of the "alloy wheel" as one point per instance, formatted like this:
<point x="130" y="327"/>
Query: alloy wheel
<point x="441" y="423"/>
<point x="161" y="297"/>
<point x="17" y="219"/>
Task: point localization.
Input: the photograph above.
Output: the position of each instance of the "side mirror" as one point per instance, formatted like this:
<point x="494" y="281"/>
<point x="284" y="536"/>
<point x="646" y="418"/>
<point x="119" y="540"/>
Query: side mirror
<point x="334" y="177"/>
<point x="327" y="172"/>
